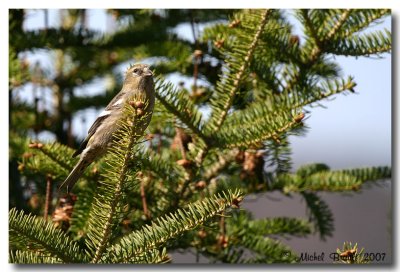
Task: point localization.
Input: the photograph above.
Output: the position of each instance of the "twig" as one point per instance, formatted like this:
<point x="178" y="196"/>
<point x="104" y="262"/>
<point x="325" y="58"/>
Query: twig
<point x="144" y="202"/>
<point x="180" y="142"/>
<point x="159" y="143"/>
<point x="239" y="75"/>
<point x="222" y="241"/>
<point x="222" y="225"/>
<point x="48" y="196"/>
<point x="197" y="56"/>
<point x="241" y="72"/>
<point x="223" y="161"/>
<point x="195" y="72"/>
<point x="345" y="15"/>
<point x="106" y="231"/>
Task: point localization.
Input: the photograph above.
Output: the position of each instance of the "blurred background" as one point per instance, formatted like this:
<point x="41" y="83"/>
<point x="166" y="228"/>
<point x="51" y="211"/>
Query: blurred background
<point x="348" y="132"/>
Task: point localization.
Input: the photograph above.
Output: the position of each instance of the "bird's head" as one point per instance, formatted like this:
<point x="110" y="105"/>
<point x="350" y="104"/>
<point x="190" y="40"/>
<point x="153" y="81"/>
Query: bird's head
<point x="139" y="75"/>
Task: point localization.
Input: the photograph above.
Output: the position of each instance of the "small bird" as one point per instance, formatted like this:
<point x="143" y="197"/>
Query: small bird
<point x="138" y="82"/>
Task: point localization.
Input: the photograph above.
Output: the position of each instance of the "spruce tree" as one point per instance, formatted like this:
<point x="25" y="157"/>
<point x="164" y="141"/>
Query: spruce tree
<point x="180" y="186"/>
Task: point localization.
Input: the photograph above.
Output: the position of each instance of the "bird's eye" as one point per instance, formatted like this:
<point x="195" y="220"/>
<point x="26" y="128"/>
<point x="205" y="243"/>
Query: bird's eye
<point x="135" y="70"/>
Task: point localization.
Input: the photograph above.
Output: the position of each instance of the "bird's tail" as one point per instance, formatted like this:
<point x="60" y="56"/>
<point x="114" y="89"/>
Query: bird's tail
<point x="75" y="174"/>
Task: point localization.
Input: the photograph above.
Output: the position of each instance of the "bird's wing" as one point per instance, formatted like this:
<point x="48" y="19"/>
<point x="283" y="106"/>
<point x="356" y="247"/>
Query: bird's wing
<point x="116" y="103"/>
<point x="92" y="130"/>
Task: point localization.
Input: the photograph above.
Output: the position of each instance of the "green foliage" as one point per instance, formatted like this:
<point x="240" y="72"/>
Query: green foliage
<point x="250" y="134"/>
<point x="107" y="211"/>
<point x="55" y="161"/>
<point x="319" y="214"/>
<point x="27" y="257"/>
<point x="350" y="254"/>
<point x="366" y="44"/>
<point x="17" y="74"/>
<point x="317" y="177"/>
<point x="30" y="233"/>
<point x="268" y="251"/>
<point x="339" y="32"/>
<point x="279" y="155"/>
<point x="258" y="236"/>
<point x="58" y="160"/>
<point x="159" y="165"/>
<point x="108" y="203"/>
<point x="180" y="105"/>
<point x="170" y="226"/>
<point x="279" y="225"/>
<point x="82" y="209"/>
<point x="176" y="188"/>
<point x="237" y="59"/>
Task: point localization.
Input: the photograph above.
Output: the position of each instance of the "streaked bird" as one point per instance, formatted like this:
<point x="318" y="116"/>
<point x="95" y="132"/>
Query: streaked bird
<point x="138" y="82"/>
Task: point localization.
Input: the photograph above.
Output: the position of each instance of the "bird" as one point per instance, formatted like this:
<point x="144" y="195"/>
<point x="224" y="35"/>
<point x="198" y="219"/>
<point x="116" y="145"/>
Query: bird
<point x="138" y="82"/>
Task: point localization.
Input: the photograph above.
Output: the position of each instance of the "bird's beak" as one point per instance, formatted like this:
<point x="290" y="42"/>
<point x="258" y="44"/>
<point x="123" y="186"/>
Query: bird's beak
<point x="147" y="72"/>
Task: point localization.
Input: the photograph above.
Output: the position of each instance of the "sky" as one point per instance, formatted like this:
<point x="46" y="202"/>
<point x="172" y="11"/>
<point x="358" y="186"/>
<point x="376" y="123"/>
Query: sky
<point x="352" y="131"/>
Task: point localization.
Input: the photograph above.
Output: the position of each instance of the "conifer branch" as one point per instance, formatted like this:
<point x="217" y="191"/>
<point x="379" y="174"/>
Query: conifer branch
<point x="83" y="207"/>
<point x="260" y="109"/>
<point x="279" y="225"/>
<point x="178" y="132"/>
<point x="343" y="17"/>
<point x="268" y="250"/>
<point x="278" y="154"/>
<point x="153" y="256"/>
<point x="54" y="159"/>
<point x="179" y="104"/>
<point x="106" y="204"/>
<point x="317" y="177"/>
<point x="310" y="169"/>
<point x="320" y="214"/>
<point x="240" y="73"/>
<point x="222" y="161"/>
<point x="313" y="47"/>
<point x="362" y="19"/>
<point x="222" y="102"/>
<point x="316" y="50"/>
<point x="170" y="226"/>
<point x="106" y="231"/>
<point x="144" y="201"/>
<point x="351" y="254"/>
<point x="29" y="232"/>
<point x="364" y="44"/>
<point x="252" y="135"/>
<point x="48" y="197"/>
<point x="370" y="173"/>
<point x="29" y="257"/>
<point x="49" y="151"/>
<point x="159" y="165"/>
<point x="201" y="154"/>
